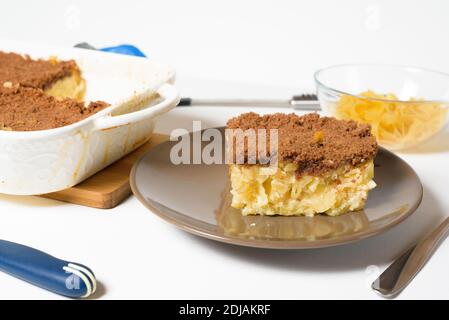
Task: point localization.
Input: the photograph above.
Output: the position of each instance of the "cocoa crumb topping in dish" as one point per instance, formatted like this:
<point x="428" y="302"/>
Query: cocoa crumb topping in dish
<point x="317" y="144"/>
<point x="28" y="109"/>
<point x="27" y="72"/>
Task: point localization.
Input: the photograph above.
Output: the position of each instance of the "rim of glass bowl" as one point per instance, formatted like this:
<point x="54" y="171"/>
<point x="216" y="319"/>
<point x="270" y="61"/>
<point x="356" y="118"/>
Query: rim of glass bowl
<point x="419" y="69"/>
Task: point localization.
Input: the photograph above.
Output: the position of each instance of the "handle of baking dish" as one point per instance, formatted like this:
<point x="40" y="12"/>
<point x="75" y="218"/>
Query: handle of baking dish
<point x="170" y="98"/>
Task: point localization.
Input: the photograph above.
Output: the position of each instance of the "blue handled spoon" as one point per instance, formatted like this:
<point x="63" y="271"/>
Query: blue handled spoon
<point x="43" y="270"/>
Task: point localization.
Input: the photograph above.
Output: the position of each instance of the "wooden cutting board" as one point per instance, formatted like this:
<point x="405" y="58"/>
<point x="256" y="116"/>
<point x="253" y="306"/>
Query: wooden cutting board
<point x="109" y="187"/>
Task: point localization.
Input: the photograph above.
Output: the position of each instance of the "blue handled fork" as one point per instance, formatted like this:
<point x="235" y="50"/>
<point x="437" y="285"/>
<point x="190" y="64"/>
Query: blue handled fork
<point x="305" y="101"/>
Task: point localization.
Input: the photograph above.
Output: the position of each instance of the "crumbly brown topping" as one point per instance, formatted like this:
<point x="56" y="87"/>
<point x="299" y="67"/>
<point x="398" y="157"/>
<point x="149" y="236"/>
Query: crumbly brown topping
<point x="28" y="109"/>
<point x="31" y="73"/>
<point x="317" y="144"/>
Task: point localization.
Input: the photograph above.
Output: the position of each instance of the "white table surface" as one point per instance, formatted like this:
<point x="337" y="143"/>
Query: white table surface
<point x="235" y="49"/>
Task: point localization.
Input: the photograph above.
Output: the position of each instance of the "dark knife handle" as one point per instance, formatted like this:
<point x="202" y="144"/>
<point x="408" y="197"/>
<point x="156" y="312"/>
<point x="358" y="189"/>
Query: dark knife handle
<point x="185" y="102"/>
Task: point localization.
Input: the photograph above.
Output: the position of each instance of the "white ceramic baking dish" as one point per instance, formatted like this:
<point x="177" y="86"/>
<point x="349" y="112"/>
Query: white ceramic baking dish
<point x="138" y="89"/>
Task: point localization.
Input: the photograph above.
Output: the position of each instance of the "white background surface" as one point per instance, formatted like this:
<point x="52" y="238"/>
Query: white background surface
<point x="235" y="49"/>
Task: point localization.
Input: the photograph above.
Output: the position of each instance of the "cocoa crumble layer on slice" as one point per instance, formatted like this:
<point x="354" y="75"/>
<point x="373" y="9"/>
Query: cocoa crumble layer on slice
<point x="317" y="144"/>
<point x="28" y="109"/>
<point x="27" y="72"/>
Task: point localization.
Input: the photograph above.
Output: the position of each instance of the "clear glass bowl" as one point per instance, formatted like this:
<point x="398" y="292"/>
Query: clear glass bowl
<point x="404" y="105"/>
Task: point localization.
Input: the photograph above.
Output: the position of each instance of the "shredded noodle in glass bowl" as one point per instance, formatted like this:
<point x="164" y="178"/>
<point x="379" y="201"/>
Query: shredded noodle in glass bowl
<point x="404" y="105"/>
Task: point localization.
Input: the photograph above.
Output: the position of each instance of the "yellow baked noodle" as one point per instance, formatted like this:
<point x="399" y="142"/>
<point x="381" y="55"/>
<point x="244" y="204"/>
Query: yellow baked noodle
<point x="395" y="124"/>
<point x="325" y="166"/>
<point x="61" y="79"/>
<point x="231" y="222"/>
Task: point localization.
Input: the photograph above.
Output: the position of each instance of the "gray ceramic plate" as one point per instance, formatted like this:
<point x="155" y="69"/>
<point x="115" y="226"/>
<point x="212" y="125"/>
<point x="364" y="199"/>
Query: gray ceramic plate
<point x="196" y="199"/>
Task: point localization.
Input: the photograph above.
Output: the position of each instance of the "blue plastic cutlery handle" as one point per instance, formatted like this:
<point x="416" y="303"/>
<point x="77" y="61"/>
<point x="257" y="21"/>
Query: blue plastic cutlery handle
<point x="125" y="49"/>
<point x="45" y="271"/>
